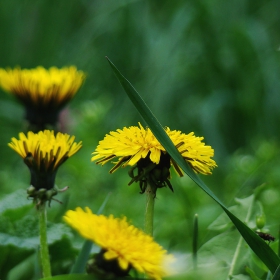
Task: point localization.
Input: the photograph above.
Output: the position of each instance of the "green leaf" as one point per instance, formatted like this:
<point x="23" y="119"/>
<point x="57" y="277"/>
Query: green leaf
<point x="11" y="257"/>
<point x="241" y="210"/>
<point x="24" y="269"/>
<point x="262" y="250"/>
<point x="14" y="200"/>
<point x="219" y="252"/>
<point x="240" y="277"/>
<point x="252" y="273"/>
<point x="19" y="225"/>
<point x="229" y="245"/>
<point x="55" y="233"/>
<point x="276" y="276"/>
<point x="26" y="243"/>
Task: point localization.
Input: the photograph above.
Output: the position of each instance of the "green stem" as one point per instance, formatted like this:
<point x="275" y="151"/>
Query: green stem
<point x="195" y="240"/>
<point x="44" y="250"/>
<point x="279" y="242"/>
<point x="149" y="211"/>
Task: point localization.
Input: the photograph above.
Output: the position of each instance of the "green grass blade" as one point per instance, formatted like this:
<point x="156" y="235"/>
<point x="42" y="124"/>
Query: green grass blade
<point x="80" y="264"/>
<point x="261" y="249"/>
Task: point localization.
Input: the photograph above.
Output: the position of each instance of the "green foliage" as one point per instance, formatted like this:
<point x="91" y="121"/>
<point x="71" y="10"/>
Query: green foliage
<point x="19" y="239"/>
<point x="22" y="231"/>
<point x="205" y="66"/>
<point x="276" y="276"/>
<point x="226" y="255"/>
<point x="252" y="274"/>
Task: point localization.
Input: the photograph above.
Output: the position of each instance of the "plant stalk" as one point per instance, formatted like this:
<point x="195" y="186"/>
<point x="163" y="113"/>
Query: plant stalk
<point x="195" y="240"/>
<point x="149" y="211"/>
<point x="44" y="250"/>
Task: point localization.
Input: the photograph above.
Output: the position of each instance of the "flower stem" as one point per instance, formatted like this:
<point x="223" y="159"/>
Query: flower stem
<point x="44" y="250"/>
<point x="149" y="211"/>
<point x="195" y="240"/>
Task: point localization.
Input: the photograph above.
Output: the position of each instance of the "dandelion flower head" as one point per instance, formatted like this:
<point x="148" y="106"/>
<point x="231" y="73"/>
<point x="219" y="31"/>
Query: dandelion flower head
<point x="43" y="92"/>
<point x="41" y="86"/>
<point x="48" y="151"/>
<point x="120" y="241"/>
<point x="135" y="143"/>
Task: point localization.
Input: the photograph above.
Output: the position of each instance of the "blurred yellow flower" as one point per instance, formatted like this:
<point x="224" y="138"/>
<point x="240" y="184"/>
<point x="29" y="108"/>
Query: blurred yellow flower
<point x="43" y="153"/>
<point x="43" y="92"/>
<point x="120" y="241"/>
<point x="138" y="146"/>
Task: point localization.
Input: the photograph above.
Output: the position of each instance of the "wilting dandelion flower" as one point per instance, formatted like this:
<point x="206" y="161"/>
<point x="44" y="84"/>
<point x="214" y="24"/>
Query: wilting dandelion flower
<point x="139" y="148"/>
<point x="43" y="153"/>
<point x="42" y="92"/>
<point x="123" y="246"/>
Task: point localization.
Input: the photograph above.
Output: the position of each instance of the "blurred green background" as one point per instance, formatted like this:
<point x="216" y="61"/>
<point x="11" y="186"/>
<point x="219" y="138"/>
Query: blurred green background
<point x="211" y="67"/>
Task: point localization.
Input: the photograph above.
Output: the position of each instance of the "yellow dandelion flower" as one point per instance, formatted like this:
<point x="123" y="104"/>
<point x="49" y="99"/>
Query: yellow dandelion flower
<point x="138" y="147"/>
<point x="43" y="92"/>
<point x="43" y="153"/>
<point x="120" y="242"/>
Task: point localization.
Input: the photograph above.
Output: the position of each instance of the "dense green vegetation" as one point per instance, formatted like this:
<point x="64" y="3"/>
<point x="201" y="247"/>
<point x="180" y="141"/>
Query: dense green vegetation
<point x="211" y="67"/>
